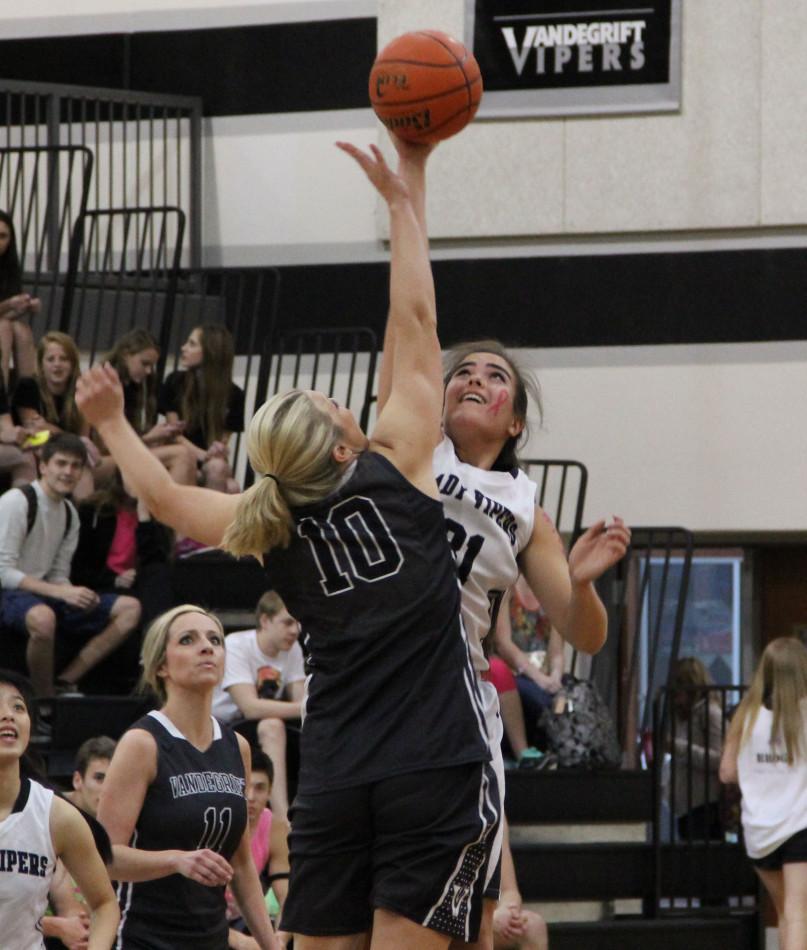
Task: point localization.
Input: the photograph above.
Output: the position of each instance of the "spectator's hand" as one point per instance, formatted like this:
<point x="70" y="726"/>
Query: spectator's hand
<point x="550" y="683"/>
<point x="99" y="395"/>
<point x="74" y="932"/>
<point x="93" y="453"/>
<point x="555" y="683"/>
<point x="217" y="450"/>
<point x="19" y="304"/>
<point x="205" y="867"/>
<point x="13" y="435"/>
<point x="161" y="433"/>
<point x="81" y="597"/>
<point x="597" y="550"/>
<point x="126" y="579"/>
<point x="34" y="305"/>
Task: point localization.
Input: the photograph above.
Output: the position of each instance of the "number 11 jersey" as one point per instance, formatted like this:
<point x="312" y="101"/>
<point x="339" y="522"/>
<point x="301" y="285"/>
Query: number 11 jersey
<point x="196" y="800"/>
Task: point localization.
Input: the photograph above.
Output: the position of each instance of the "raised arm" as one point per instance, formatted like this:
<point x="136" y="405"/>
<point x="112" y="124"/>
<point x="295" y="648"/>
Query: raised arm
<point x="197" y="512"/>
<point x="409" y="424"/>
<point x="566" y="589"/>
<point x="412" y="169"/>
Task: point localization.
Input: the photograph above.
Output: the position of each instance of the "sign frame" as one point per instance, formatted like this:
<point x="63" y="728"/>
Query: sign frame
<point x="587" y="100"/>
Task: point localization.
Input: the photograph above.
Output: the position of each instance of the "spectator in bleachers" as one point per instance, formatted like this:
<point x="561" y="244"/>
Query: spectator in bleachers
<point x="203" y="397"/>
<point x="16" y="338"/>
<point x="515" y="745"/>
<point x="47" y="400"/>
<point x="270" y="850"/>
<point x="38" y="600"/>
<point x="696" y="744"/>
<point x="533" y="650"/>
<point x="16" y="462"/>
<point x="766" y="752"/>
<point x="135" y="357"/>
<point x="264" y="681"/>
<point x="122" y="549"/>
<point x="92" y="762"/>
<point x="515" y="928"/>
<point x="70" y="920"/>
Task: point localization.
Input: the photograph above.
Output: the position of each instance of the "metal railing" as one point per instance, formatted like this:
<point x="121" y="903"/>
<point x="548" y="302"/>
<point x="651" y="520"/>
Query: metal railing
<point x="44" y="189"/>
<point x="122" y="273"/>
<point x="562" y="488"/>
<point x="654" y="593"/>
<point x="147" y="147"/>
<point x="696" y="822"/>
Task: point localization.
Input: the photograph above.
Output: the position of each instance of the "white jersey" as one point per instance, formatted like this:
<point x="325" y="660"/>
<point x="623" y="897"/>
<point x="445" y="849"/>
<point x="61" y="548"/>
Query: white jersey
<point x="774" y="804"/>
<point x="27" y="860"/>
<point x="247" y="664"/>
<point x="489" y="517"/>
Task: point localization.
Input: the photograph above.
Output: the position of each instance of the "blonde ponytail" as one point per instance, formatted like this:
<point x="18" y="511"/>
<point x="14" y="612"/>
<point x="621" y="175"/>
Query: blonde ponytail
<point x="780" y="682"/>
<point x="292" y="440"/>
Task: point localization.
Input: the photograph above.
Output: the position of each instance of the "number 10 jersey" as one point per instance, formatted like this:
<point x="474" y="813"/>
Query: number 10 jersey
<point x="370" y="577"/>
<point x="489" y="519"/>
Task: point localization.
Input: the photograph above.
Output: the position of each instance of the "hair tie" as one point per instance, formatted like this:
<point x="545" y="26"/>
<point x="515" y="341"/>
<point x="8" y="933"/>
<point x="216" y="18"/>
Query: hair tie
<point x="273" y="477"/>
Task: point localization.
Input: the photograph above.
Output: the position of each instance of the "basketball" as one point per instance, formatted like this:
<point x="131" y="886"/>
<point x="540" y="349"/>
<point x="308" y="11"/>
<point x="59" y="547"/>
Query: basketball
<point x="425" y="86"/>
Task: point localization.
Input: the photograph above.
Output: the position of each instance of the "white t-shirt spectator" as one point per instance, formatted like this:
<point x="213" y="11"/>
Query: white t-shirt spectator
<point x="247" y="663"/>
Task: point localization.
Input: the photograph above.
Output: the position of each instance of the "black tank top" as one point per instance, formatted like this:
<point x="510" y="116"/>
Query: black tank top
<point x="196" y="801"/>
<point x="370" y="576"/>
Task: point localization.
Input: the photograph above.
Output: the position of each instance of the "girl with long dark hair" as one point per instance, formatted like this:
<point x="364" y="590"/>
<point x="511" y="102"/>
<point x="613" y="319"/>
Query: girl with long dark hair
<point x="15" y="334"/>
<point x="204" y="399"/>
<point x="36" y="828"/>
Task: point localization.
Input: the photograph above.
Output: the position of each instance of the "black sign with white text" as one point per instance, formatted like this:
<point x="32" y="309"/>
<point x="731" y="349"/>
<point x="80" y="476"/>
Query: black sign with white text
<point x="566" y="56"/>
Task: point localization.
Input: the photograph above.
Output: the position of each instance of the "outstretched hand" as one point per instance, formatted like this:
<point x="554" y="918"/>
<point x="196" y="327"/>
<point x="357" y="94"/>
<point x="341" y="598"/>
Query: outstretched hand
<point x="416" y="152"/>
<point x="389" y="185"/>
<point x="99" y="395"/>
<point x="598" y="549"/>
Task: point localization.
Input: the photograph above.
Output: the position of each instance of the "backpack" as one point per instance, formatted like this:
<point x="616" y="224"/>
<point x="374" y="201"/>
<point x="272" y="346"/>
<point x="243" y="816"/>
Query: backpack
<point x="579" y="728"/>
<point x="33" y="507"/>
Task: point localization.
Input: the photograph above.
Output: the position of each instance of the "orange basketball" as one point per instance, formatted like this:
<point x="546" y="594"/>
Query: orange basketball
<point x="425" y="86"/>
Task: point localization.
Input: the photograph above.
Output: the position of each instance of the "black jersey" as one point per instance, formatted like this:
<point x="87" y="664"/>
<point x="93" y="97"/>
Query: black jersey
<point x="370" y="577"/>
<point x="196" y="801"/>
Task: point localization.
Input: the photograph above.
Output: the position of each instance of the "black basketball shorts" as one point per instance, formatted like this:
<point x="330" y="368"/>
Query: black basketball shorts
<point x="416" y="845"/>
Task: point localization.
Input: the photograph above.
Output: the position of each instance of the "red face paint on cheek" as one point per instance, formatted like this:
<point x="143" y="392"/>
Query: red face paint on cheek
<point x="497" y="404"/>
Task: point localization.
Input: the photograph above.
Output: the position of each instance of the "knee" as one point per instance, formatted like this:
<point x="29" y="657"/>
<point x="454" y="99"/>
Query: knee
<point x="126" y="613"/>
<point x="536" y="928"/>
<point x="271" y="730"/>
<point x="40" y="622"/>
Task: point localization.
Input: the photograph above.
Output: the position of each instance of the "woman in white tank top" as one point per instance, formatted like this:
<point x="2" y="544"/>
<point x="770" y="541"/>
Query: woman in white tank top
<point x="766" y="752"/>
<point x="36" y="828"/>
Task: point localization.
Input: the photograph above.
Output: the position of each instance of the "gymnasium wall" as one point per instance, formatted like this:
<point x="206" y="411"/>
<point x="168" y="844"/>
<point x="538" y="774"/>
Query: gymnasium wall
<point x="651" y="267"/>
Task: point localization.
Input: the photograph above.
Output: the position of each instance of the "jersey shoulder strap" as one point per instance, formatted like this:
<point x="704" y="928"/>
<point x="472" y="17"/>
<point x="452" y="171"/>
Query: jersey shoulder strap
<point x="33" y="506"/>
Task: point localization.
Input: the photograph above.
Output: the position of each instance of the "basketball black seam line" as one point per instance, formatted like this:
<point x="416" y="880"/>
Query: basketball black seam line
<point x="439" y="95"/>
<point x="419" y="62"/>
<point x="460" y="63"/>
<point x="445" y="47"/>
